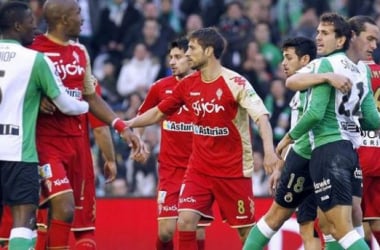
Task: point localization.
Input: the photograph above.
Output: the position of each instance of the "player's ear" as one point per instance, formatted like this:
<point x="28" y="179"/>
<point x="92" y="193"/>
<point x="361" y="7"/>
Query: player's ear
<point x="305" y="59"/>
<point x="209" y="51"/>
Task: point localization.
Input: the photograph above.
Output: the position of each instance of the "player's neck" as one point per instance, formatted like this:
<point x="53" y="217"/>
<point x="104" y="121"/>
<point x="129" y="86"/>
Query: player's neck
<point x="211" y="72"/>
<point x="57" y="37"/>
<point x="352" y="56"/>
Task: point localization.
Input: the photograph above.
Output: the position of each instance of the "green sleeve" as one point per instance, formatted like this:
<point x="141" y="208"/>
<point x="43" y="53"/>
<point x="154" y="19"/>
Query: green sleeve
<point x="318" y="101"/>
<point x="45" y="77"/>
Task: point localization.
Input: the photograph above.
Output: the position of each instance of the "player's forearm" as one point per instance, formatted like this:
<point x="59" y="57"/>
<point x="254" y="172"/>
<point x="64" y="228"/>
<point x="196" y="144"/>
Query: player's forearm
<point x="150" y="117"/>
<point x="304" y="81"/>
<point x="69" y="105"/>
<point x="266" y="133"/>
<point x="99" y="108"/>
<point x="104" y="141"/>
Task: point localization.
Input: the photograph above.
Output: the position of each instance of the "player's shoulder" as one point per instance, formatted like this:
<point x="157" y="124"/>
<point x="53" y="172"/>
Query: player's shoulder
<point x="233" y="77"/>
<point x="164" y="80"/>
<point x="77" y="45"/>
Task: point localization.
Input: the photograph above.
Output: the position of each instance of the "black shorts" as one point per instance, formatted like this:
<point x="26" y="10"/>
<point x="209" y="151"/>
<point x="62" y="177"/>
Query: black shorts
<point x="332" y="168"/>
<point x="19" y="183"/>
<point x="295" y="183"/>
<point x="307" y="210"/>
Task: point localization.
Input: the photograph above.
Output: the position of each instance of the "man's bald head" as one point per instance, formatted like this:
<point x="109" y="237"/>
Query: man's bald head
<point x="55" y="10"/>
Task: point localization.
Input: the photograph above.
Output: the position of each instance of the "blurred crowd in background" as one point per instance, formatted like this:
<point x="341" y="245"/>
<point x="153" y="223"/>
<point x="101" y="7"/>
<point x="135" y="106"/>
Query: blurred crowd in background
<point x="128" y="44"/>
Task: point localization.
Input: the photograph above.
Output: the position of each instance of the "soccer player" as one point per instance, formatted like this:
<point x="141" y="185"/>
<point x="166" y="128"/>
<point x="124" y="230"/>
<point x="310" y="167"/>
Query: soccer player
<point x="173" y="158"/>
<point x="25" y="76"/>
<point x="295" y="184"/>
<point x="220" y="166"/>
<point x="332" y="118"/>
<point x="369" y="150"/>
<point x="58" y="167"/>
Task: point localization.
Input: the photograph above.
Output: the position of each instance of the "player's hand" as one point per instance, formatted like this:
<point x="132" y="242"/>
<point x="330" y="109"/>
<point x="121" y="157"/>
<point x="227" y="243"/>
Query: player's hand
<point x="144" y="153"/>
<point x="340" y="82"/>
<point x="133" y="141"/>
<point x="47" y="106"/>
<point x="283" y="144"/>
<point x="270" y="161"/>
<point x="110" y="170"/>
<point x="275" y="177"/>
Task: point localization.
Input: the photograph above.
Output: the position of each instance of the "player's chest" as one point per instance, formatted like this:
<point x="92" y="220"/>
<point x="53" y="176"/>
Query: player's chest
<point x="70" y="64"/>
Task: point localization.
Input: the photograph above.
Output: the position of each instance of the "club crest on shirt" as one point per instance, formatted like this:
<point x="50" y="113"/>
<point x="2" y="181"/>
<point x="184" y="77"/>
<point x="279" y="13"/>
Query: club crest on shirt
<point x="219" y="93"/>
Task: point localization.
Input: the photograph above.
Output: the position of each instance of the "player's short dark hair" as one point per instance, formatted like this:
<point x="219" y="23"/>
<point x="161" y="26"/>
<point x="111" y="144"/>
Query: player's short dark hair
<point x="357" y="23"/>
<point x="302" y="46"/>
<point x="210" y="37"/>
<point x="181" y="43"/>
<point x="10" y="13"/>
<point x="341" y="26"/>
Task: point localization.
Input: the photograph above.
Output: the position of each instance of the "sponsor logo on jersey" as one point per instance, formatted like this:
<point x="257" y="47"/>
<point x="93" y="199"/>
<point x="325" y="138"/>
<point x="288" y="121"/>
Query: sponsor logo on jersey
<point x="195" y="93"/>
<point x="169" y="208"/>
<point x="370" y="138"/>
<point x="208" y="131"/>
<point x="70" y="69"/>
<point x="182" y="109"/>
<point x="322" y="186"/>
<point x="9" y="129"/>
<point x="76" y="93"/>
<point x="177" y="126"/>
<point x="60" y="182"/>
<point x="239" y="80"/>
<point x="168" y="91"/>
<point x="202" y="107"/>
<point x="189" y="199"/>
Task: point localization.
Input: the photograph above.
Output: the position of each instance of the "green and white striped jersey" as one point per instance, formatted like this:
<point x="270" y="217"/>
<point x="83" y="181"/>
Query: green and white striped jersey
<point x="298" y="104"/>
<point x="24" y="76"/>
<point x="331" y="115"/>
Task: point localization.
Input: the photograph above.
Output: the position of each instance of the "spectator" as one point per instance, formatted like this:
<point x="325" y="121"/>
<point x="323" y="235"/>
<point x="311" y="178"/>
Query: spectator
<point x="115" y="21"/>
<point x="277" y="103"/>
<point x="236" y="29"/>
<point x="138" y="73"/>
<point x="269" y="50"/>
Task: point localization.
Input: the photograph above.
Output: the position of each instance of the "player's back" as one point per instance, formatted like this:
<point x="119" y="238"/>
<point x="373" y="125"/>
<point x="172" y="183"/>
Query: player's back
<point x="19" y="102"/>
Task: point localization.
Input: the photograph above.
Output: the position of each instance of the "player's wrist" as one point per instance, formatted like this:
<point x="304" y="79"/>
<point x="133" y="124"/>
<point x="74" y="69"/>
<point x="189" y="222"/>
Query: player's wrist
<point x="119" y="125"/>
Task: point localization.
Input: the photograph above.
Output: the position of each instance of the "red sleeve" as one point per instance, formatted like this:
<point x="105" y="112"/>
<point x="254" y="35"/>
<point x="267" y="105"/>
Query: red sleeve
<point x="95" y="122"/>
<point x="151" y="99"/>
<point x="171" y="104"/>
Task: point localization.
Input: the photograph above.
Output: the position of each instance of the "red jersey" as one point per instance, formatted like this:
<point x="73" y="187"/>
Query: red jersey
<point x="221" y="133"/>
<point x="176" y="129"/>
<point x="72" y="65"/>
<point x="370" y="150"/>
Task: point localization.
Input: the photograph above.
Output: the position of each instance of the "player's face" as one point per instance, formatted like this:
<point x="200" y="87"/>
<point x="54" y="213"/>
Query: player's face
<point x="178" y="62"/>
<point x="196" y="55"/>
<point x="74" y="20"/>
<point x="326" y="41"/>
<point x="366" y="42"/>
<point x="291" y="62"/>
<point x="28" y="28"/>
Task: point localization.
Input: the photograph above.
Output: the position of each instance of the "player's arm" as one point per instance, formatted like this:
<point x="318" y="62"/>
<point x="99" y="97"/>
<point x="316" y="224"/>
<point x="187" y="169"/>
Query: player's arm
<point x="302" y="81"/>
<point x="266" y="134"/>
<point x="315" y="111"/>
<point x="307" y="77"/>
<point x="150" y="117"/>
<point x="52" y="87"/>
<point x="103" y="139"/>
